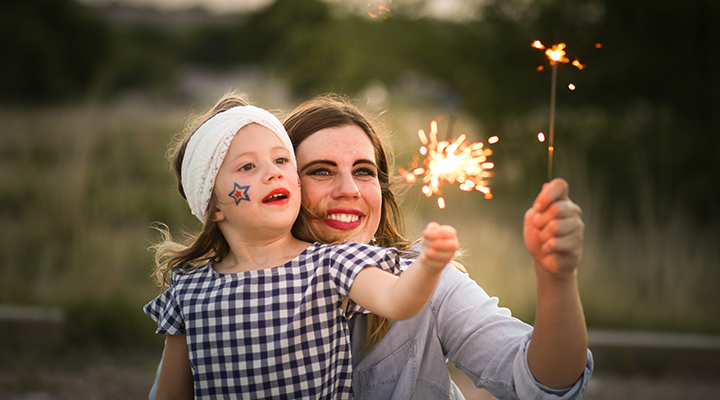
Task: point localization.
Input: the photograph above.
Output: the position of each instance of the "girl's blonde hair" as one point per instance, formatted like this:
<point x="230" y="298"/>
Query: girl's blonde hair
<point x="209" y="243"/>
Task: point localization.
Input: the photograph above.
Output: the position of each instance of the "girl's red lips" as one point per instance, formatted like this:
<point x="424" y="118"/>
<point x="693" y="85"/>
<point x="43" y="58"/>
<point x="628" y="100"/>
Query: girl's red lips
<point x="276" y="195"/>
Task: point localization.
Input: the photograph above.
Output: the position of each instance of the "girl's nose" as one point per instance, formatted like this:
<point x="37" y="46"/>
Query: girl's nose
<point x="273" y="172"/>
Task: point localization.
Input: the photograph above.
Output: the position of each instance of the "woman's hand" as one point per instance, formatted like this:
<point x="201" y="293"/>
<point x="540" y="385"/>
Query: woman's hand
<point x="439" y="244"/>
<point x="557" y="353"/>
<point x="553" y="229"/>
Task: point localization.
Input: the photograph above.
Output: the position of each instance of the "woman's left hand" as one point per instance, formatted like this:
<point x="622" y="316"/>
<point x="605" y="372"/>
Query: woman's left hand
<point x="553" y="229"/>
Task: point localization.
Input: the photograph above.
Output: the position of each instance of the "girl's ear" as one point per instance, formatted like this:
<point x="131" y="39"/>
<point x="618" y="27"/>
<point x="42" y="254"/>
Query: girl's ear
<point x="216" y="215"/>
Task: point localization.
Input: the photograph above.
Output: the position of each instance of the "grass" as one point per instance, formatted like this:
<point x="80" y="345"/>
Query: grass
<point x="81" y="185"/>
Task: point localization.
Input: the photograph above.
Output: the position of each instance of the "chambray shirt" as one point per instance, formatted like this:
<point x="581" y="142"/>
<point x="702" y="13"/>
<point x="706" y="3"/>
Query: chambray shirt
<point x="461" y="323"/>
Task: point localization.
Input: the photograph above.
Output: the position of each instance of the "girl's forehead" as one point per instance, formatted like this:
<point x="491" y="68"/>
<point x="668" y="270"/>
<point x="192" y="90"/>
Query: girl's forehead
<point x="253" y="136"/>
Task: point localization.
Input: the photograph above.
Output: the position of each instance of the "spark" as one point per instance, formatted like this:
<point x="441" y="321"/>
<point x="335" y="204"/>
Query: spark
<point x="450" y="161"/>
<point x="377" y="10"/>
<point x="571" y="86"/>
<point x="541" y="137"/>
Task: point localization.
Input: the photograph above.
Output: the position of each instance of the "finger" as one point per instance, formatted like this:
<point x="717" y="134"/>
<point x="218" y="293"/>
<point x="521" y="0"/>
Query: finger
<point x="561" y="227"/>
<point x="568" y="244"/>
<point x="440" y="232"/>
<point x="555" y="190"/>
<point x="557" y="210"/>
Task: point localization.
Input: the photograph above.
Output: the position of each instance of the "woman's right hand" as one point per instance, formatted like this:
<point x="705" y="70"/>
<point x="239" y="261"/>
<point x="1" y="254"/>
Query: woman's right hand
<point x="439" y="244"/>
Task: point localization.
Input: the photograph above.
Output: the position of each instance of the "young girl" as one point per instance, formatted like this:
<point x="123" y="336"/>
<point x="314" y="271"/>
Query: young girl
<point x="252" y="311"/>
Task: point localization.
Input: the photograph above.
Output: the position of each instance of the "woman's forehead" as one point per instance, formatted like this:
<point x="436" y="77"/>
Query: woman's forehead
<point x="339" y="143"/>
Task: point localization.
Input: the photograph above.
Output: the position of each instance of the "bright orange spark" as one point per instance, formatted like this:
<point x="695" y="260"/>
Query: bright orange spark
<point x="378" y="10"/>
<point x="598" y="45"/>
<point x="556" y="54"/>
<point x="571" y="86"/>
<point x="441" y="203"/>
<point x="451" y="161"/>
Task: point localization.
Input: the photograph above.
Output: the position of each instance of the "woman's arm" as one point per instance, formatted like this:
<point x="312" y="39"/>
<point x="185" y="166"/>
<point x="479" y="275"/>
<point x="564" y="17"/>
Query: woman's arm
<point x="176" y="380"/>
<point x="402" y="297"/>
<point x="553" y="231"/>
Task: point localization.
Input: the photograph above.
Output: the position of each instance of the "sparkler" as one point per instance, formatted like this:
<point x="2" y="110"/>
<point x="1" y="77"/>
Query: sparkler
<point x="450" y="161"/>
<point x="379" y="9"/>
<point x="556" y="55"/>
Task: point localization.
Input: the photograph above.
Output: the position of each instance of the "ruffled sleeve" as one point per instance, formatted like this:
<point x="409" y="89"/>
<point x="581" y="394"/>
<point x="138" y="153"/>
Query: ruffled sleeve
<point x="166" y="312"/>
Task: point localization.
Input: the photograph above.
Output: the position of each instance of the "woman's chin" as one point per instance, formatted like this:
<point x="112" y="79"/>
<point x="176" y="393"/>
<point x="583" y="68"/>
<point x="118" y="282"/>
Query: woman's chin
<point x="334" y="233"/>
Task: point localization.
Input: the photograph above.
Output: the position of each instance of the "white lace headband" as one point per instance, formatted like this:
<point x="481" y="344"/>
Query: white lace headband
<point x="207" y="148"/>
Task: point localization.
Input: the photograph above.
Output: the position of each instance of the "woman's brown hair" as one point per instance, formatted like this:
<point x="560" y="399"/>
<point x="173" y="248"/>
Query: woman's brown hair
<point x="209" y="243"/>
<point x="331" y="111"/>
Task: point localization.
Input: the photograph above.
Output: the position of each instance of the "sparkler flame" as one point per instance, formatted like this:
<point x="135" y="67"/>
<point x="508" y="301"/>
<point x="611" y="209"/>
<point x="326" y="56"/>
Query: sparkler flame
<point x="378" y="10"/>
<point x="556" y="54"/>
<point x="451" y="161"/>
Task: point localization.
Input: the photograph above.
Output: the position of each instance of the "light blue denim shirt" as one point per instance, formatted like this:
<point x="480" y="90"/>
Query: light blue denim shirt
<point x="461" y="323"/>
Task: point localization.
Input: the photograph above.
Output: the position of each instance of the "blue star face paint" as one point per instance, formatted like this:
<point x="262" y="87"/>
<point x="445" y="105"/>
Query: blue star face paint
<point x="239" y="193"/>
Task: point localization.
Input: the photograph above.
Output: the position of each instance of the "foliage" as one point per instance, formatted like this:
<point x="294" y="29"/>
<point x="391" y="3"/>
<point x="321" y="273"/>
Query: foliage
<point x="52" y="50"/>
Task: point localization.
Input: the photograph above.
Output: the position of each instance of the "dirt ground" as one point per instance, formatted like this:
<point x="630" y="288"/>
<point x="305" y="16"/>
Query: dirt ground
<point x="94" y="373"/>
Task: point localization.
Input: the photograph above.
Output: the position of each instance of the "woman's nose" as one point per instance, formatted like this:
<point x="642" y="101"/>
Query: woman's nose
<point x="346" y="187"/>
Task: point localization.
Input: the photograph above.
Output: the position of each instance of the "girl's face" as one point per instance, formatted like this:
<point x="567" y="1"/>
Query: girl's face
<point x="257" y="186"/>
<point x="338" y="173"/>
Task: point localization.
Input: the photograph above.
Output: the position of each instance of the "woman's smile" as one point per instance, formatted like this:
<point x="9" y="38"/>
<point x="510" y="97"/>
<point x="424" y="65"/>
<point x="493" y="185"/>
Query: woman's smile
<point x="343" y="219"/>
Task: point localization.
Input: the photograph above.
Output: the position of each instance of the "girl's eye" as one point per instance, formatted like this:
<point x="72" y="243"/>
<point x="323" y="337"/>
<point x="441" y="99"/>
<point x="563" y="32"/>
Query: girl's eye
<point x="367" y="172"/>
<point x="282" y="160"/>
<point x="246" y="167"/>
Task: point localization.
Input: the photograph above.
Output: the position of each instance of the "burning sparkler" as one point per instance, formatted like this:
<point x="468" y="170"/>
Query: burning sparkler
<point x="451" y="161"/>
<point x="379" y="9"/>
<point x="556" y="55"/>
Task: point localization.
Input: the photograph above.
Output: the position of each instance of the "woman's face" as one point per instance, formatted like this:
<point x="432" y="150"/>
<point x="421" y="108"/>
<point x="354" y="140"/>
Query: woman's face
<point x="337" y="169"/>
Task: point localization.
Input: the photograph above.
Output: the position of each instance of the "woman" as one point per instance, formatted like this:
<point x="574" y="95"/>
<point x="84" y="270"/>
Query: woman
<point x="344" y="175"/>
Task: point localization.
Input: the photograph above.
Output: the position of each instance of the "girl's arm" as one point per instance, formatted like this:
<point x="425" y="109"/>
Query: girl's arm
<point x="553" y="230"/>
<point x="176" y="380"/>
<point x="402" y="297"/>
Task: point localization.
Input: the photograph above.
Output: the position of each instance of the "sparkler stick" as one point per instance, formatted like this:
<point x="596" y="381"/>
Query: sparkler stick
<point x="556" y="55"/>
<point x="450" y="161"/>
<point x="551" y="132"/>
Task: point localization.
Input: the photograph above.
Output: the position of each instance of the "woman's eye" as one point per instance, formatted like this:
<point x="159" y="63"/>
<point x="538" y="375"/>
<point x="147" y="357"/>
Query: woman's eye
<point x="365" y="172"/>
<point x="319" y="172"/>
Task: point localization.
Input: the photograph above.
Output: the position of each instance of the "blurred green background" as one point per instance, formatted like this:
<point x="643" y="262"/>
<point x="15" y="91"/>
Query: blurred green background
<point x="91" y="94"/>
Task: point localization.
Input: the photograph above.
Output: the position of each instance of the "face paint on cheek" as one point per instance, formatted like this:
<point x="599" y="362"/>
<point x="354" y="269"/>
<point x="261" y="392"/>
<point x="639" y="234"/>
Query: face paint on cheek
<point x="239" y="193"/>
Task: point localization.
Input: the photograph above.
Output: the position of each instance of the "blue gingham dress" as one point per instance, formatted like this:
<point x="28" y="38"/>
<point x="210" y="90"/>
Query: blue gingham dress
<point x="271" y="333"/>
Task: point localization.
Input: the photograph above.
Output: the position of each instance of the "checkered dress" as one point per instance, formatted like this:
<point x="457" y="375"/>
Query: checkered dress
<point x="272" y="333"/>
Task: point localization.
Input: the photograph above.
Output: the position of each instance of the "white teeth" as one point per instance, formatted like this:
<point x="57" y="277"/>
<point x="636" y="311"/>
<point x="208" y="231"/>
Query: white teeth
<point x="344" y="217"/>
<point x="275" y="196"/>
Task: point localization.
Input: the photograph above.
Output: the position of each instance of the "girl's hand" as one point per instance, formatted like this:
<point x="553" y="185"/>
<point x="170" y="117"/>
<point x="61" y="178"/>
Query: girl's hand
<point x="553" y="229"/>
<point x="439" y="244"/>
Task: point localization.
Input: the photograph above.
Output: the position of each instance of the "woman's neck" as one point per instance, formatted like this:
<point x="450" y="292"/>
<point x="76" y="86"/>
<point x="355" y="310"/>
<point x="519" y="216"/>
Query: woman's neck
<point x="246" y="255"/>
